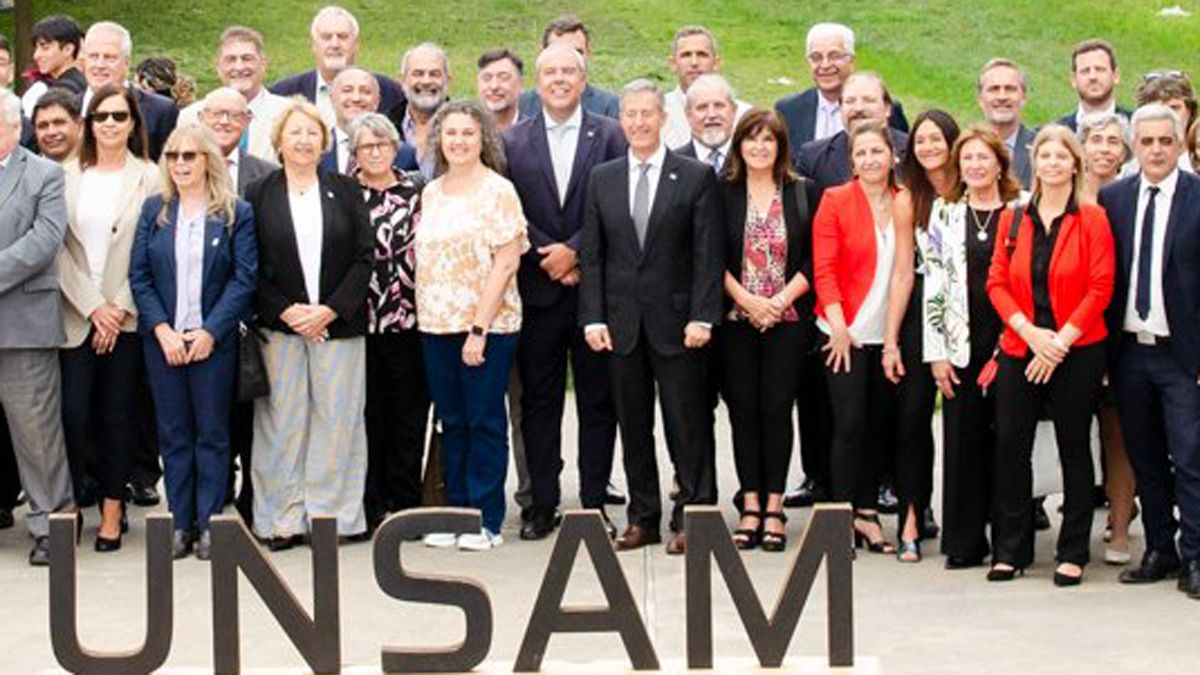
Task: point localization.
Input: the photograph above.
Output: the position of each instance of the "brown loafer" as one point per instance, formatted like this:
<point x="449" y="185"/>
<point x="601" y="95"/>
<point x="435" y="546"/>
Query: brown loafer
<point x="677" y="544"/>
<point x="637" y="536"/>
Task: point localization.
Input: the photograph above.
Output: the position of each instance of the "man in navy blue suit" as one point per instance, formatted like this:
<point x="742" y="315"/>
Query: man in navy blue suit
<point x="550" y="156"/>
<point x="1094" y="75"/>
<point x="107" y="48"/>
<point x="334" y="33"/>
<point x="1154" y="326"/>
<point x="569" y="30"/>
<point x="355" y="92"/>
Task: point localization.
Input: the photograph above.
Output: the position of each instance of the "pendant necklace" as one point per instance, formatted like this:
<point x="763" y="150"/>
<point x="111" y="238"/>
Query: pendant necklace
<point x="981" y="229"/>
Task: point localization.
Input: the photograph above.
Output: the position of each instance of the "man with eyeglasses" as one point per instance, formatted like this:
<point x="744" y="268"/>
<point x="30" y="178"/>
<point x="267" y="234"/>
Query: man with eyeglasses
<point x="355" y="92"/>
<point x="1094" y="75"/>
<point x="242" y="66"/>
<point x="1173" y="89"/>
<point x="815" y="113"/>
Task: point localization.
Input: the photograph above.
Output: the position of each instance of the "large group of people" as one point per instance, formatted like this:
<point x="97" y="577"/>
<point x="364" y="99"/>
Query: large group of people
<point x="403" y="264"/>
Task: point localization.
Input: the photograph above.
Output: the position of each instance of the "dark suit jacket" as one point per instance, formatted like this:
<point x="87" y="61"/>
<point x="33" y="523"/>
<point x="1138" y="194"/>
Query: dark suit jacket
<point x="250" y="169"/>
<point x="305" y="84"/>
<point x="1022" y="167"/>
<point x="799" y="235"/>
<point x="532" y="174"/>
<point x="595" y="100"/>
<point x="800" y="113"/>
<point x="827" y="161"/>
<point x="1181" y="264"/>
<point x="675" y="279"/>
<point x="160" y="114"/>
<point x="227" y="282"/>
<point x="1071" y="122"/>
<point x="406" y="160"/>
<point x="347" y="252"/>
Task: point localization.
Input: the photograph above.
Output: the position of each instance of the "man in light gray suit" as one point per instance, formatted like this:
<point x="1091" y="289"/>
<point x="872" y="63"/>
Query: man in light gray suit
<point x="33" y="220"/>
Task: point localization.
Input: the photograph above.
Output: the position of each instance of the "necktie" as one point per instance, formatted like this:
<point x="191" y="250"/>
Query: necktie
<point x="1145" y="256"/>
<point x="641" y="203"/>
<point x="714" y="158"/>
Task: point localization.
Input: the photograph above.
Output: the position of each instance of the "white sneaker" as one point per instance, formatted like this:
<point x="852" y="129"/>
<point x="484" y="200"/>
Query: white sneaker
<point x="479" y="542"/>
<point x="440" y="539"/>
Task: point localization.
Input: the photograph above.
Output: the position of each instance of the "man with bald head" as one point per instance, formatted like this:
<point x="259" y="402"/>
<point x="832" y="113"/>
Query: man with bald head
<point x="355" y="92"/>
<point x="693" y="55"/>
<point x="550" y="156"/>
<point x="570" y="31"/>
<point x="334" y="35"/>
<point x="710" y="110"/>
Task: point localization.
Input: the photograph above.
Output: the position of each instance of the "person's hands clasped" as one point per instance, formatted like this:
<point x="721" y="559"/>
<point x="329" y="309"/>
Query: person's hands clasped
<point x="200" y="344"/>
<point x="1039" y="370"/>
<point x="472" y="351"/>
<point x="893" y="363"/>
<point x="696" y="335"/>
<point x="764" y="313"/>
<point x="558" y="260"/>
<point x="309" y="321"/>
<point x="1045" y="343"/>
<point x="571" y="278"/>
<point x="106" y="322"/>
<point x="839" y="346"/>
<point x="174" y="348"/>
<point x="945" y="376"/>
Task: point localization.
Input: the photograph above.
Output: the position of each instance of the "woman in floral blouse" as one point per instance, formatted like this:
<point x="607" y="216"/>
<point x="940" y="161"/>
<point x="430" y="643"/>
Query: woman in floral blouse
<point x="397" y="399"/>
<point x="768" y="224"/>
<point x="469" y="244"/>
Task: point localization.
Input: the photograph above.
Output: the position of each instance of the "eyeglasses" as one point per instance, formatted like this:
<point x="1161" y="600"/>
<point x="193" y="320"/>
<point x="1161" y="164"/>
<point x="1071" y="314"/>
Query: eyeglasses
<point x="1164" y="75"/>
<point x="832" y="57"/>
<point x="187" y="156"/>
<point x="227" y="115"/>
<point x="117" y="116"/>
<point x="372" y="148"/>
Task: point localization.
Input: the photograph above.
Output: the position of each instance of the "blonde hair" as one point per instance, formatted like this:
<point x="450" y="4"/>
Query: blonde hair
<point x="297" y="105"/>
<point x="221" y="197"/>
<point x="1057" y="133"/>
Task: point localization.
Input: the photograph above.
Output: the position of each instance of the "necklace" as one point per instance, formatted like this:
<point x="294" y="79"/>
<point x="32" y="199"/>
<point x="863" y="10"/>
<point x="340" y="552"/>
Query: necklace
<point x="981" y="229"/>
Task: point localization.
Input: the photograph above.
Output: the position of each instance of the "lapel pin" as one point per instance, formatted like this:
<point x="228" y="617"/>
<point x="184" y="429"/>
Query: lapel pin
<point x="216" y="241"/>
<point x="591" y="134"/>
<point x="671" y="175"/>
<point x="329" y="194"/>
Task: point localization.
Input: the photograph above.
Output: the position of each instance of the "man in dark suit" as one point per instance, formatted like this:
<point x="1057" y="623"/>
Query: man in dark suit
<point x="815" y="113"/>
<point x="107" y="49"/>
<point x="651" y="264"/>
<point x="334" y="33"/>
<point x="355" y="93"/>
<point x="1094" y="75"/>
<point x="1000" y="92"/>
<point x="1154" y="329"/>
<point x="550" y="156"/>
<point x="569" y="30"/>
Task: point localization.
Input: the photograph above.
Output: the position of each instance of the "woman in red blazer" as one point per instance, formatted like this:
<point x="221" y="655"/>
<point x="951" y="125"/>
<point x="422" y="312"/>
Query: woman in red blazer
<point x="1050" y="287"/>
<point x="854" y="246"/>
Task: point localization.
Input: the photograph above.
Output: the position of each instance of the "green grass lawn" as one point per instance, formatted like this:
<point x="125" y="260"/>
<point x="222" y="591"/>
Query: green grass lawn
<point x="929" y="51"/>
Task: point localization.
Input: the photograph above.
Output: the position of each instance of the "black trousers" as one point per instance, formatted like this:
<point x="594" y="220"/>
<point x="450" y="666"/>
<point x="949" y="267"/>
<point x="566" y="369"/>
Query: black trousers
<point x="1071" y="393"/>
<point x="397" y="413"/>
<point x="814" y="411"/>
<point x="1159" y="404"/>
<point x="916" y="395"/>
<point x="241" y="442"/>
<point x="863" y="407"/>
<point x="766" y="368"/>
<point x="550" y="337"/>
<point x="102" y="411"/>
<point x="682" y="385"/>
<point x="145" y="469"/>
<point x="10" y="479"/>
<point x="968" y="451"/>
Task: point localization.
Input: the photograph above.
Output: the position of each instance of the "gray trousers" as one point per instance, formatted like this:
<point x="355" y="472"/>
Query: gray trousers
<point x="524" y="494"/>
<point x="31" y="394"/>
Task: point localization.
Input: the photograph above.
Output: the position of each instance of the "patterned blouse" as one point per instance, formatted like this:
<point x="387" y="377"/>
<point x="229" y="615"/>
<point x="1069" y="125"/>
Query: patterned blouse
<point x="764" y="255"/>
<point x="391" y="295"/>
<point x="455" y="243"/>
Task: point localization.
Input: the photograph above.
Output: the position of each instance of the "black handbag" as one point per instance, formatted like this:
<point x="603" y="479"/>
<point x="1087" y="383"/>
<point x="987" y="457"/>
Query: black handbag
<point x="252" y="380"/>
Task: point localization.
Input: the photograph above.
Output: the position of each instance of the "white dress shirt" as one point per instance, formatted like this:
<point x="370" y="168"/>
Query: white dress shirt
<point x="98" y="194"/>
<point x="309" y="226"/>
<point x="635" y="171"/>
<point x="704" y="153"/>
<point x="1156" y="321"/>
<point x="563" y="139"/>
<point x="829" y="118"/>
<point x="189" y="268"/>
<point x="677" y="131"/>
<point x="341" y="144"/>
<point x="324" y="96"/>
<point x="232" y="164"/>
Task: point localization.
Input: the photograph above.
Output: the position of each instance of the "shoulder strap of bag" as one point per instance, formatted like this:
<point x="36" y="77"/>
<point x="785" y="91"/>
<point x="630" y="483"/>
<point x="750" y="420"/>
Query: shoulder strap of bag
<point x="1014" y="228"/>
<point x="801" y="187"/>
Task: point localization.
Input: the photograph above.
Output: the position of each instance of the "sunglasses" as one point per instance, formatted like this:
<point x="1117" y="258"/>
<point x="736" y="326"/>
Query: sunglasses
<point x="115" y="115"/>
<point x="187" y="156"/>
<point x="1164" y="75"/>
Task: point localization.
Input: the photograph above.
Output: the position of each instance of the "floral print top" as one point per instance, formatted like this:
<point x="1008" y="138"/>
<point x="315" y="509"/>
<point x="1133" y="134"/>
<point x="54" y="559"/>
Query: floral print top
<point x="391" y="294"/>
<point x="764" y="255"/>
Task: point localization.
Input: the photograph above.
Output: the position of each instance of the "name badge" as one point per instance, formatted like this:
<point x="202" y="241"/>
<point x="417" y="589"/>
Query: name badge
<point x="1146" y="338"/>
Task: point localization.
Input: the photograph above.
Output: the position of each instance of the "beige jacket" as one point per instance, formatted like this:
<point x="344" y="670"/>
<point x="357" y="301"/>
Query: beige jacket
<point x="81" y="295"/>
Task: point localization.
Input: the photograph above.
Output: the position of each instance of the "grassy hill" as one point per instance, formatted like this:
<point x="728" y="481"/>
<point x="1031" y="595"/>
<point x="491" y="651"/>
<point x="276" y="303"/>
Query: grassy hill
<point x="929" y="51"/>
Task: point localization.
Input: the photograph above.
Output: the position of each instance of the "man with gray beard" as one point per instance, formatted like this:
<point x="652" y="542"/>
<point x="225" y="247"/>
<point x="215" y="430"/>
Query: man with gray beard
<point x="425" y="79"/>
<point x="711" y="109"/>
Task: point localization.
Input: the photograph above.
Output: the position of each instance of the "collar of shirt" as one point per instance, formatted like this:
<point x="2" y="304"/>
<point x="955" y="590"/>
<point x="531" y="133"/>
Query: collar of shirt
<point x="259" y="100"/>
<point x="188" y="219"/>
<point x="1011" y="141"/>
<point x="407" y="127"/>
<point x="322" y="85"/>
<point x="1166" y="187"/>
<point x="655" y="160"/>
<point x="824" y="105"/>
<point x="1080" y="113"/>
<point x="703" y="151"/>
<point x="573" y="122"/>
<point x="234" y="157"/>
<point x="4" y="160"/>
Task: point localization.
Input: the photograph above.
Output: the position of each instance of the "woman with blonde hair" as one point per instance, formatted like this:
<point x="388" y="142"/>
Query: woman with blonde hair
<point x="192" y="275"/>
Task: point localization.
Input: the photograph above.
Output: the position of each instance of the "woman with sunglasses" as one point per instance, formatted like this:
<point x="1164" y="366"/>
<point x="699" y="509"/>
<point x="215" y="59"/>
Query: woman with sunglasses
<point x="102" y="357"/>
<point x="192" y="276"/>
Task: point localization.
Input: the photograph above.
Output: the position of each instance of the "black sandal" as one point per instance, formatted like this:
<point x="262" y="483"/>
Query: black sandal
<point x="774" y="542"/>
<point x="745" y="538"/>
<point x="862" y="541"/>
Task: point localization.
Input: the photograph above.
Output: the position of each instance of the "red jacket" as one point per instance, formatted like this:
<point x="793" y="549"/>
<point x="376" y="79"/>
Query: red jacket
<point x="1080" y="277"/>
<point x="843" y="249"/>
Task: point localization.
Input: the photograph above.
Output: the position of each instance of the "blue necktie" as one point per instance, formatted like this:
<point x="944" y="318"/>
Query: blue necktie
<point x="1145" y="257"/>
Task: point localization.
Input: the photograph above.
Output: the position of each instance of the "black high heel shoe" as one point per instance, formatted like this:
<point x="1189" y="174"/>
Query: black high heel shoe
<point x="1004" y="573"/>
<point x="1061" y="579"/>
<point x="774" y="542"/>
<point x="863" y="541"/>
<point x="104" y="544"/>
<point x="745" y="538"/>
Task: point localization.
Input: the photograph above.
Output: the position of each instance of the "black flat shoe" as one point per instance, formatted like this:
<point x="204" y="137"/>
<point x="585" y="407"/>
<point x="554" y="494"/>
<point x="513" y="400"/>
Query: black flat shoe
<point x="39" y="556"/>
<point x="957" y="563"/>
<point x="1155" y="566"/>
<point x="181" y="544"/>
<point x="1003" y="574"/>
<point x="284" y="543"/>
<point x="204" y="546"/>
<point x="143" y="495"/>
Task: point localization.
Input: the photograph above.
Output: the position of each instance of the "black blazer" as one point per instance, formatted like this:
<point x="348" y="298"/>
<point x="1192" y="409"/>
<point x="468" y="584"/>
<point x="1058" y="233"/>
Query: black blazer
<point x="800" y="113"/>
<point x="532" y="174"/>
<point x="1022" y="166"/>
<point x="305" y="84"/>
<point x="675" y="279"/>
<point x="159" y="114"/>
<point x="1071" y="122"/>
<point x="827" y="161"/>
<point x="1181" y="264"/>
<point x="250" y="169"/>
<point x="799" y="235"/>
<point x="347" y="252"/>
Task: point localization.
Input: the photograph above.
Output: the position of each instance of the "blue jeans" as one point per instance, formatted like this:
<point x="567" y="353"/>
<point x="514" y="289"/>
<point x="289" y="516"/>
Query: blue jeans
<point x="469" y="401"/>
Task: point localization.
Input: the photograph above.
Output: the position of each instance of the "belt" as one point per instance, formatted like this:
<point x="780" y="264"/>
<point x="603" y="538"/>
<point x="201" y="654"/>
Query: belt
<point x="1148" y="339"/>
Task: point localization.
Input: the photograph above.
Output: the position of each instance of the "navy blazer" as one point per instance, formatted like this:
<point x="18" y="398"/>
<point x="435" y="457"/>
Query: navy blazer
<point x="800" y="113"/>
<point x="1022" y="165"/>
<point x="595" y="100"/>
<point x="406" y="160"/>
<point x="160" y="115"/>
<point x="305" y="84"/>
<point x="1071" y="121"/>
<point x="827" y="161"/>
<point x="532" y="174"/>
<point x="230" y="266"/>
<point x="1181" y="264"/>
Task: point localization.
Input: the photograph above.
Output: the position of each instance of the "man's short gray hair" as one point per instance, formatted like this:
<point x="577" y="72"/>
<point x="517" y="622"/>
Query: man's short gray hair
<point x="710" y="81"/>
<point x="117" y="29"/>
<point x="330" y="12"/>
<point x="822" y="30"/>
<point x="559" y="47"/>
<point x="689" y="31"/>
<point x="377" y="124"/>
<point x="643" y="85"/>
<point x="1154" y="112"/>
<point x="425" y="45"/>
<point x="10" y="106"/>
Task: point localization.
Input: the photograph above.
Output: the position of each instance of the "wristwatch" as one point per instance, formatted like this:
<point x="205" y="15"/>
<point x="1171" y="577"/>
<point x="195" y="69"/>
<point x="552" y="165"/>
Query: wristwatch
<point x="477" y="330"/>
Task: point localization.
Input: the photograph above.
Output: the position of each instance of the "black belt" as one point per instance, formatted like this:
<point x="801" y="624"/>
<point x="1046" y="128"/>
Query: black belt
<point x="1148" y="339"/>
